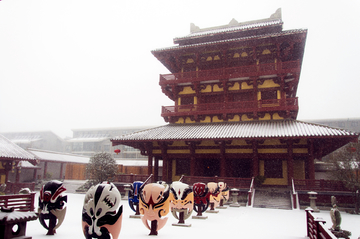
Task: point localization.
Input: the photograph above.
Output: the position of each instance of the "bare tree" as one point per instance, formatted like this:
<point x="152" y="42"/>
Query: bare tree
<point x="101" y="167"/>
<point x="346" y="161"/>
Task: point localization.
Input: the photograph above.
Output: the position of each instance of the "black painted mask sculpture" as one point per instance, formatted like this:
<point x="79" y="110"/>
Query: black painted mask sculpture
<point x="52" y="205"/>
<point x="102" y="212"/>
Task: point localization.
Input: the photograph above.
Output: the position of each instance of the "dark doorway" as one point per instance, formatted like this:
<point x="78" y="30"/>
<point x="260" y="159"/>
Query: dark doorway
<point x="241" y="168"/>
<point x="211" y="167"/>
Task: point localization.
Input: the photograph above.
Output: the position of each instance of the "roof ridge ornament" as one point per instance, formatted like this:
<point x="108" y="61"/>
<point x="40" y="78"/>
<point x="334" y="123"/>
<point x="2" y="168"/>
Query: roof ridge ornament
<point x="234" y="23"/>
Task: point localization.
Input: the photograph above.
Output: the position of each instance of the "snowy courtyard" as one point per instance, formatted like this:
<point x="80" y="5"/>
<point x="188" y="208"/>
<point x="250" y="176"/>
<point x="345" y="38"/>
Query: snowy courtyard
<point x="242" y="222"/>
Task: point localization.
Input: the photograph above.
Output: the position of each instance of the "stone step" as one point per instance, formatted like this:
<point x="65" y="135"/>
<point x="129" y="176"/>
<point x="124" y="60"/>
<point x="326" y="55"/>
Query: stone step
<point x="272" y="198"/>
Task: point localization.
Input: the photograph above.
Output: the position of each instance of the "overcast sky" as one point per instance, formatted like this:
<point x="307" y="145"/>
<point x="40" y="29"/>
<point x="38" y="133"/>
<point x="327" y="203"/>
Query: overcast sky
<point x="75" y="64"/>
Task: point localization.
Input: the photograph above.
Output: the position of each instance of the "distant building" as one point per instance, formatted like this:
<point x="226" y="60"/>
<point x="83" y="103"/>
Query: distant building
<point x="37" y="139"/>
<point x="351" y="124"/>
<point x="92" y="140"/>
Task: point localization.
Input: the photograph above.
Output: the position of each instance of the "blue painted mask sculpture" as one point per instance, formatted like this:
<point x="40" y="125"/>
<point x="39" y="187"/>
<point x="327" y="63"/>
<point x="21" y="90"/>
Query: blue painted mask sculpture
<point x="102" y="212"/>
<point x="201" y="198"/>
<point x="154" y="203"/>
<point x="52" y="205"/>
<point x="133" y="197"/>
<point x="181" y="201"/>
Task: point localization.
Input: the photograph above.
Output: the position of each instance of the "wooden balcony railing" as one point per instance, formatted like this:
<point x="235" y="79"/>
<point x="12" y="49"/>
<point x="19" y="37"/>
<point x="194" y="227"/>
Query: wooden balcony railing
<point x="319" y="185"/>
<point x="231" y="107"/>
<point x="231" y="72"/>
<point x="316" y="226"/>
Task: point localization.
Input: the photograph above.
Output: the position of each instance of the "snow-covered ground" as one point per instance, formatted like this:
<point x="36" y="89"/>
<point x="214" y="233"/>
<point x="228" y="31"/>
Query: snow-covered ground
<point x="243" y="222"/>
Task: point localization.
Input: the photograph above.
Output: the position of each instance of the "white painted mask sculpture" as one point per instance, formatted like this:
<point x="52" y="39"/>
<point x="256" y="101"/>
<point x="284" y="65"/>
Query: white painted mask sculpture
<point x="102" y="213"/>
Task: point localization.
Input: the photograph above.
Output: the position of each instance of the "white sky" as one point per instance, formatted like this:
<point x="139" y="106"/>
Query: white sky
<point x="73" y="64"/>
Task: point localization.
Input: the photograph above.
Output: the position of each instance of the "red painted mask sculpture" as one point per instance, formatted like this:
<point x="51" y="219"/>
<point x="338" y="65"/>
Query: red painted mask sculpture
<point x="215" y="195"/>
<point x="224" y="191"/>
<point x="102" y="213"/>
<point x="201" y="198"/>
<point x="52" y="205"/>
<point x="181" y="201"/>
<point x="154" y="204"/>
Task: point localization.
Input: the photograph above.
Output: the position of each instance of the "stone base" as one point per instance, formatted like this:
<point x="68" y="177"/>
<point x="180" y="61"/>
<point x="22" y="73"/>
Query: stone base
<point x="181" y="224"/>
<point x="212" y="211"/>
<point x="199" y="217"/>
<point x="135" y="216"/>
<point x="235" y="205"/>
<point x="222" y="207"/>
<point x="341" y="233"/>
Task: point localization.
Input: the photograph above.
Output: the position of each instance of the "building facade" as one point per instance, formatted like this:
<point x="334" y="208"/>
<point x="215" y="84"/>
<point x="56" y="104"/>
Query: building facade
<point x="235" y="107"/>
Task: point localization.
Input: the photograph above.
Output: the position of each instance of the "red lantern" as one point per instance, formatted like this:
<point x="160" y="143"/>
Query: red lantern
<point x="352" y="149"/>
<point x="117" y="151"/>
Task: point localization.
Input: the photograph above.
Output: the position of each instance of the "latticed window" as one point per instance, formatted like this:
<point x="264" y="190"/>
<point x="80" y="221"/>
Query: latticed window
<point x="273" y="168"/>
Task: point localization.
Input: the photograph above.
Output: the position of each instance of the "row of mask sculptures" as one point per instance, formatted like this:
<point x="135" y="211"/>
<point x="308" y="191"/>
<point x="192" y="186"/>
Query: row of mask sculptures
<point x="102" y="212"/>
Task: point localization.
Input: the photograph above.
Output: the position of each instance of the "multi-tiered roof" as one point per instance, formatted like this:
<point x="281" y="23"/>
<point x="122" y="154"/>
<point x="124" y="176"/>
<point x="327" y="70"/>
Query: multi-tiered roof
<point x="253" y="68"/>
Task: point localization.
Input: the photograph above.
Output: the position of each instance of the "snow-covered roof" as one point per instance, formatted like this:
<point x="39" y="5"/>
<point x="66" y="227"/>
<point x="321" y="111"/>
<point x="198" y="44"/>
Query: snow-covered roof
<point x="74" y="158"/>
<point x="59" y="157"/>
<point x="9" y="150"/>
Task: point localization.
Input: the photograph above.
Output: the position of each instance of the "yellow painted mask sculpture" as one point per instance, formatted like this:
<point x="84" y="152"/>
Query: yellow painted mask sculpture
<point x="215" y="195"/>
<point x="224" y="191"/>
<point x="182" y="201"/>
<point x="154" y="204"/>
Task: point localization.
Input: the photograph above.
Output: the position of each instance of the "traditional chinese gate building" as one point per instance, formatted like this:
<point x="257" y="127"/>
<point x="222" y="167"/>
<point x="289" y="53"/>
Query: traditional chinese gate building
<point x="235" y="107"/>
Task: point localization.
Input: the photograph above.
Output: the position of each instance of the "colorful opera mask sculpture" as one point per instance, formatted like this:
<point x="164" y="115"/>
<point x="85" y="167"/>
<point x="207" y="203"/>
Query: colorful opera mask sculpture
<point x="133" y="197"/>
<point x="224" y="191"/>
<point x="154" y="204"/>
<point x="181" y="201"/>
<point x="102" y="212"/>
<point x="201" y="198"/>
<point x="52" y="205"/>
<point x="215" y="195"/>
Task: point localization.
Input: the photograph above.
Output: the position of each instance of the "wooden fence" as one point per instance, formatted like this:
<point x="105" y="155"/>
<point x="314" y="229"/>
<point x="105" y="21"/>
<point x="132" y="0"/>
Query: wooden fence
<point x="240" y="183"/>
<point x="130" y="178"/>
<point x="316" y="226"/>
<point x="20" y="202"/>
<point x="14" y="188"/>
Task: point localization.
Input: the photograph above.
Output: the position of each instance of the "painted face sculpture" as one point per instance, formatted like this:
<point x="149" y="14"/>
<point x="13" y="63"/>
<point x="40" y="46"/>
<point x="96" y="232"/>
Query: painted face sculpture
<point x="154" y="203"/>
<point x="102" y="213"/>
<point x="182" y="201"/>
<point x="201" y="197"/>
<point x="215" y="195"/>
<point x="224" y="191"/>
<point x="134" y="197"/>
<point x="52" y="205"/>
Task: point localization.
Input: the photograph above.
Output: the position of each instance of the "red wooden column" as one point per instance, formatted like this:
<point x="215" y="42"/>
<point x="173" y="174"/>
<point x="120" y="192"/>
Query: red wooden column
<point x="255" y="160"/>
<point x="148" y="148"/>
<point x="222" y="159"/>
<point x="156" y="168"/>
<point x="290" y="161"/>
<point x="45" y="170"/>
<point x="310" y="159"/>
<point x="192" y="157"/>
<point x="61" y="170"/>
<point x="167" y="164"/>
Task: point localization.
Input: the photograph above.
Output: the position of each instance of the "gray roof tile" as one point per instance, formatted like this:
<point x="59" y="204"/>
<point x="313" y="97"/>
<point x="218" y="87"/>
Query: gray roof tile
<point x="236" y="130"/>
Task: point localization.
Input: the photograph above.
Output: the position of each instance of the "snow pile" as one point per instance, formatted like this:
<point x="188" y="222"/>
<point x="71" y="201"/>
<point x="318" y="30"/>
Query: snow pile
<point x="232" y="222"/>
